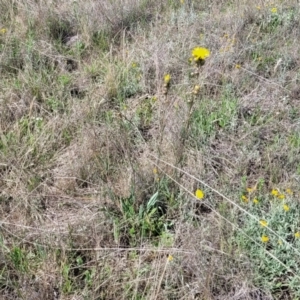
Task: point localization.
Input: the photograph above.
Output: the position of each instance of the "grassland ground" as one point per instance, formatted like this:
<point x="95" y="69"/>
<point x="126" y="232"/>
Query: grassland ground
<point x="149" y="149"/>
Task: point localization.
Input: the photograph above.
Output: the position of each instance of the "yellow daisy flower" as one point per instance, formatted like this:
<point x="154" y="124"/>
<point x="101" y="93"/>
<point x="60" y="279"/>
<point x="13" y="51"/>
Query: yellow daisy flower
<point x="274" y="192"/>
<point x="196" y="89"/>
<point x="250" y="190"/>
<point x="263" y="223"/>
<point x="199" y="194"/>
<point x="167" y="78"/>
<point x="245" y="199"/>
<point x="170" y="257"/>
<point x="200" y="53"/>
<point x="274" y="10"/>
<point x="286" y="207"/>
<point x="297" y="234"/>
<point x="264" y="239"/>
<point x="289" y="191"/>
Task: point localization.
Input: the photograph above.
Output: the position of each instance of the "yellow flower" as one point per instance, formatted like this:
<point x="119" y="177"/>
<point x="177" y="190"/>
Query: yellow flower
<point x="280" y="242"/>
<point x="200" y="53"/>
<point x="255" y="201"/>
<point x="167" y="78"/>
<point x="274" y="192"/>
<point x="286" y="207"/>
<point x="237" y="66"/>
<point x="264" y="239"/>
<point x="133" y="65"/>
<point x="250" y="190"/>
<point x="281" y="196"/>
<point x="199" y="194"/>
<point x="258" y="7"/>
<point x="289" y="191"/>
<point x="182" y="1"/>
<point x="263" y="223"/>
<point x="3" y="30"/>
<point x="245" y="199"/>
<point x="155" y="171"/>
<point x="274" y="10"/>
<point x="196" y="89"/>
<point x="297" y="234"/>
<point x="170" y="257"/>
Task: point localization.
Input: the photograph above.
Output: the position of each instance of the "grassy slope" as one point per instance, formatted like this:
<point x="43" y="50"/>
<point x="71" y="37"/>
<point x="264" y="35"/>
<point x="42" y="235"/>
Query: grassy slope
<point x="98" y="165"/>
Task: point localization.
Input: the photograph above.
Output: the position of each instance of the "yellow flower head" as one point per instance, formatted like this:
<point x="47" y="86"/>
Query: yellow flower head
<point x="281" y="196"/>
<point x="170" y="257"/>
<point x="274" y="10"/>
<point x="263" y="223"/>
<point x="289" y="191"/>
<point x="3" y="30"/>
<point x="196" y="89"/>
<point x="200" y="53"/>
<point x="274" y="192"/>
<point x="264" y="239"/>
<point x="167" y="78"/>
<point x="250" y="190"/>
<point x="245" y="199"/>
<point x="286" y="207"/>
<point x="297" y="234"/>
<point x="199" y="194"/>
<point x="255" y="201"/>
<point x="155" y="171"/>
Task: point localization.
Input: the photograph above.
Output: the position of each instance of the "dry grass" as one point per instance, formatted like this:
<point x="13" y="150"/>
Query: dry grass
<point x="88" y="207"/>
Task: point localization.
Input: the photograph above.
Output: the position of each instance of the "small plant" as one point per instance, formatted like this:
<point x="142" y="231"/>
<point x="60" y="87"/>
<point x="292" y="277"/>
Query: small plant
<point x="144" y="221"/>
<point x="145" y="113"/>
<point x="277" y="258"/>
<point x="207" y="119"/>
<point x="19" y="259"/>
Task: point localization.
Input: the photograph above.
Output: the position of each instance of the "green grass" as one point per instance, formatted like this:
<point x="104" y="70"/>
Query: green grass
<point x="100" y="158"/>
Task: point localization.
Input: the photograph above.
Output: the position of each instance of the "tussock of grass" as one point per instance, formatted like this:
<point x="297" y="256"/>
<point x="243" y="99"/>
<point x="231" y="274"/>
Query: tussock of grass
<point x="107" y="129"/>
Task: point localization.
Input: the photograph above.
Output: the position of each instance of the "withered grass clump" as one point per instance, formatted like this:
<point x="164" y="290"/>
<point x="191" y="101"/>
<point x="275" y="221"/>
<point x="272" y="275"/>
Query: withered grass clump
<point x="113" y="114"/>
